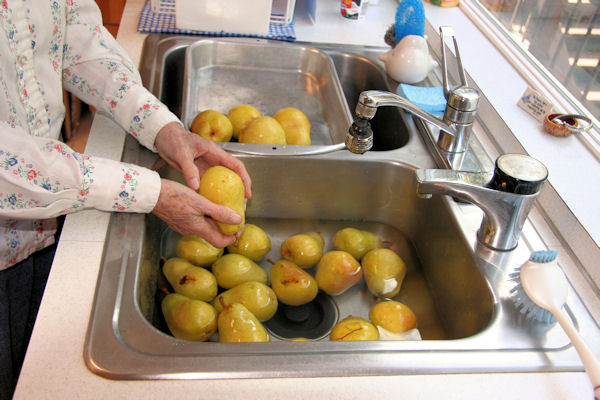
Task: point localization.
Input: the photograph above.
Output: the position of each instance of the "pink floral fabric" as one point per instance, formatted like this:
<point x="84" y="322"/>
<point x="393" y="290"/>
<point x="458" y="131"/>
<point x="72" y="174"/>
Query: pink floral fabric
<point x="46" y="45"/>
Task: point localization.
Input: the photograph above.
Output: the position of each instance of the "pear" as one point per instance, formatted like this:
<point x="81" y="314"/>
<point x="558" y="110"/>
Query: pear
<point x="233" y="269"/>
<point x="240" y="116"/>
<point x="384" y="272"/>
<point x="212" y="125"/>
<point x="356" y="242"/>
<point x="304" y="249"/>
<point x="197" y="250"/>
<point x="223" y="186"/>
<point x="317" y="237"/>
<point x="253" y="243"/>
<point x="189" y="319"/>
<point x="393" y="316"/>
<point x="354" y="328"/>
<point x="237" y="324"/>
<point x="189" y="280"/>
<point x="257" y="297"/>
<point x="295" y="124"/>
<point x="337" y="272"/>
<point x="292" y="285"/>
<point x="263" y="129"/>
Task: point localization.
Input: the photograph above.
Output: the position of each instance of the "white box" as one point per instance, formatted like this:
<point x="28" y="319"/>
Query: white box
<point x="230" y="16"/>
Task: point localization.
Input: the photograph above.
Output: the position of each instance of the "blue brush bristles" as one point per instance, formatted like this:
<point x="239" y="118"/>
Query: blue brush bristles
<point x="520" y="298"/>
<point x="543" y="256"/>
<point x="410" y="19"/>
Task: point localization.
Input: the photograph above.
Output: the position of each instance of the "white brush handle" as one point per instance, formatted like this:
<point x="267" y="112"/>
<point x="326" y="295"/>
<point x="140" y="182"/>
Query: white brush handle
<point x="590" y="361"/>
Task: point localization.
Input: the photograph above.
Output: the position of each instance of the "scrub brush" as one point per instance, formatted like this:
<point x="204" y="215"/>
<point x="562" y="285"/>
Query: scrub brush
<point x="522" y="301"/>
<point x="410" y="20"/>
<point x="541" y="281"/>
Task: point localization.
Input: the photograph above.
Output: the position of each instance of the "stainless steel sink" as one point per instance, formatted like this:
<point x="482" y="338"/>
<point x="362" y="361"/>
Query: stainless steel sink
<point x="459" y="290"/>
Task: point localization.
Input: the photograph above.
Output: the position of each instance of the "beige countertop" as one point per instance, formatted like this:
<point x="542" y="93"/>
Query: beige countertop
<point x="54" y="366"/>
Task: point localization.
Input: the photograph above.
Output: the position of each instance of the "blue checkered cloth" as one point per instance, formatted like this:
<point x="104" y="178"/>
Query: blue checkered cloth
<point x="164" y="22"/>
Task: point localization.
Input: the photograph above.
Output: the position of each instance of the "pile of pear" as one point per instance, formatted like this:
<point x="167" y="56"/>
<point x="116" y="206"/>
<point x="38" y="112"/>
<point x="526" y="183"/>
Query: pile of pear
<point x="246" y="124"/>
<point x="226" y="291"/>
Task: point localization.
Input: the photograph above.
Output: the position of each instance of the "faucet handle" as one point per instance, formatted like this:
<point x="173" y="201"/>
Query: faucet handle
<point x="461" y="98"/>
<point x="519" y="174"/>
<point x="449" y="31"/>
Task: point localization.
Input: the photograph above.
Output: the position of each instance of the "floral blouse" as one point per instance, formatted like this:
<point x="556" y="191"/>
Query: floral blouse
<point x="46" y="45"/>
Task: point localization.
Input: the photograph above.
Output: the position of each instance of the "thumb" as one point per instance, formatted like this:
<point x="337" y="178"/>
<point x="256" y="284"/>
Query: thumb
<point x="191" y="174"/>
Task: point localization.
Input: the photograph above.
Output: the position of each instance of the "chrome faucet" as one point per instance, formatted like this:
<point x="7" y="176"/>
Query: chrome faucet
<point x="505" y="199"/>
<point x="455" y="126"/>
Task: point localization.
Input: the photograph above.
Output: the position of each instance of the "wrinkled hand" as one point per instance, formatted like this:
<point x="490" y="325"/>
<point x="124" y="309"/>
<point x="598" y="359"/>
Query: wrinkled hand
<point x="182" y="208"/>
<point x="188" y="213"/>
<point x="191" y="155"/>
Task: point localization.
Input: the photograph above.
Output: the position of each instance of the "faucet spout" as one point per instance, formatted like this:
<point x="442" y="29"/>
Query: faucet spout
<point x="504" y="211"/>
<point x="370" y="100"/>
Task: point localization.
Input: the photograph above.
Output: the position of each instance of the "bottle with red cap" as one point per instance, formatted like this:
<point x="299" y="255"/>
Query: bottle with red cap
<point x="352" y="9"/>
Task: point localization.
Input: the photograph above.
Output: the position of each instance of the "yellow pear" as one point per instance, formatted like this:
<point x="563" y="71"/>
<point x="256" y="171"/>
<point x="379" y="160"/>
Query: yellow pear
<point x="233" y="269"/>
<point x="337" y="272"/>
<point x="223" y="186"/>
<point x="393" y="316"/>
<point x="354" y="328"/>
<point x="304" y="249"/>
<point x="212" y="125"/>
<point x="189" y="280"/>
<point x="295" y="124"/>
<point x="317" y="237"/>
<point x="384" y="272"/>
<point x="253" y="243"/>
<point x="356" y="242"/>
<point x="189" y="319"/>
<point x="197" y="250"/>
<point x="237" y="324"/>
<point x="257" y="297"/>
<point x="264" y="130"/>
<point x="292" y="285"/>
<point x="240" y="116"/>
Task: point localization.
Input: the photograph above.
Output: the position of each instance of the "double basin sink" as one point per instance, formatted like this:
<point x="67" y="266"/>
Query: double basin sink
<point x="460" y="291"/>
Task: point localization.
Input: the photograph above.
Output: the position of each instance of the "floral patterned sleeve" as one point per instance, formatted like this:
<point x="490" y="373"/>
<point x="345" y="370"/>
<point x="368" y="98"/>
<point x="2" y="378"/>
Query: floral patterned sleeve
<point x="97" y="70"/>
<point x="43" y="178"/>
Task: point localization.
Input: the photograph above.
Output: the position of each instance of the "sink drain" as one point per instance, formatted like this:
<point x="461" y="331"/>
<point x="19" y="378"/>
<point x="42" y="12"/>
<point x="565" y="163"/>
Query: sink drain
<point x="312" y="320"/>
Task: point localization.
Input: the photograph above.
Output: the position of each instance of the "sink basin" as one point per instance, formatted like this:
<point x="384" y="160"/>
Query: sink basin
<point x="459" y="290"/>
<point x="355" y="74"/>
<point x="290" y="199"/>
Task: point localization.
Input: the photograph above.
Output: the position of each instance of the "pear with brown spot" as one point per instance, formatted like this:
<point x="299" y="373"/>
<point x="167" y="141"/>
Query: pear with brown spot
<point x="292" y="285"/>
<point x="189" y="280"/>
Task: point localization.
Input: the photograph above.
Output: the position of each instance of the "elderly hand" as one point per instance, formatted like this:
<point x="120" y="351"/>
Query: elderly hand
<point x="186" y="212"/>
<point x="182" y="208"/>
<point x="192" y="155"/>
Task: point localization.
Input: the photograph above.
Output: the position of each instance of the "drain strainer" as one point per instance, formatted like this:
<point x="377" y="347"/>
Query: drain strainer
<point x="313" y="320"/>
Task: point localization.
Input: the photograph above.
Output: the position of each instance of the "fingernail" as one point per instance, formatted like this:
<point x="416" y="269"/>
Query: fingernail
<point x="237" y="218"/>
<point x="193" y="183"/>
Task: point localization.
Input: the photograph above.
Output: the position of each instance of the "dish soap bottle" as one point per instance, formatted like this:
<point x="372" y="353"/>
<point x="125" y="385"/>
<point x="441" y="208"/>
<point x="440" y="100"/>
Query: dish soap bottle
<point x="352" y="9"/>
